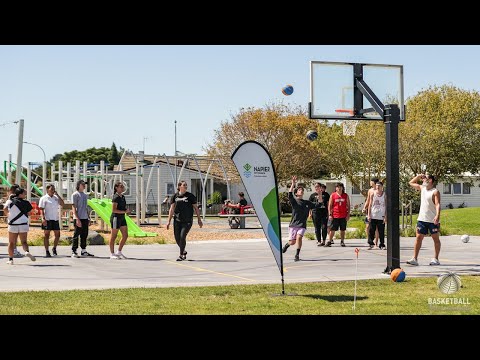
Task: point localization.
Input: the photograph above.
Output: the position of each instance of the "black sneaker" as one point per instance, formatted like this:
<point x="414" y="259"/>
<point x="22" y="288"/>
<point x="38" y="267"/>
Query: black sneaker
<point x="86" y="254"/>
<point x="54" y="251"/>
<point x="48" y="254"/>
<point x="342" y="244"/>
<point x="297" y="258"/>
<point x="180" y="258"/>
<point x="329" y="243"/>
<point x="184" y="255"/>
<point x="74" y="254"/>
<point x="382" y="247"/>
<point x="285" y="247"/>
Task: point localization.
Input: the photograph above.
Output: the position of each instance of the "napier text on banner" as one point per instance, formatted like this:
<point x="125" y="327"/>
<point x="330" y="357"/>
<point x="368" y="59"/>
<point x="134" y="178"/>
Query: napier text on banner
<point x="257" y="172"/>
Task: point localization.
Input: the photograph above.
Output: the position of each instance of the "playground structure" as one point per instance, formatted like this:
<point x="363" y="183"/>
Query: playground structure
<point x="100" y="184"/>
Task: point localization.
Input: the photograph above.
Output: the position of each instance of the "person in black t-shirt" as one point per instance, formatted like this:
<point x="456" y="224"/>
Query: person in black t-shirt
<point x="182" y="206"/>
<point x="319" y="214"/>
<point x="300" y="212"/>
<point x="118" y="221"/>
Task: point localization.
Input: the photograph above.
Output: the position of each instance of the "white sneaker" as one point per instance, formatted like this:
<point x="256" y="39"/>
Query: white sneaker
<point x="10" y="262"/>
<point x="114" y="257"/>
<point x="412" y="261"/>
<point x="30" y="256"/>
<point x="74" y="254"/>
<point x="17" y="254"/>
<point x="434" y="262"/>
<point x="120" y="255"/>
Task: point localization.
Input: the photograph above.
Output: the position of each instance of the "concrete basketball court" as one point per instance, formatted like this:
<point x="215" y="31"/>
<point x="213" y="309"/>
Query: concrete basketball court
<point x="224" y="262"/>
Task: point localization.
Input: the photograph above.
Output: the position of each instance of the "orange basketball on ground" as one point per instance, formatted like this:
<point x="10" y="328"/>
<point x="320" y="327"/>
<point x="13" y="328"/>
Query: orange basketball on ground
<point x="398" y="275"/>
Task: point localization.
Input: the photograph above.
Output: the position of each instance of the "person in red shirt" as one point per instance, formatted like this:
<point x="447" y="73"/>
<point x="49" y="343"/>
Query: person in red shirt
<point x="338" y="213"/>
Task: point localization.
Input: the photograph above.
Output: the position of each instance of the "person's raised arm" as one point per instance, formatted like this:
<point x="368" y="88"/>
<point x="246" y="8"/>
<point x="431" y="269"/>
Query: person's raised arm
<point x="414" y="182"/>
<point x="60" y="200"/>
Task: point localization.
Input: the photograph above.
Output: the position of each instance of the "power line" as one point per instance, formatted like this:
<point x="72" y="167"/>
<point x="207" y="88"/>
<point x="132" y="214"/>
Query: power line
<point x="10" y="122"/>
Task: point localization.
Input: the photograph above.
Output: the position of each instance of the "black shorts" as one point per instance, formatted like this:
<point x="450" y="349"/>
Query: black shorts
<point x="52" y="225"/>
<point x="339" y="223"/>
<point x="116" y="222"/>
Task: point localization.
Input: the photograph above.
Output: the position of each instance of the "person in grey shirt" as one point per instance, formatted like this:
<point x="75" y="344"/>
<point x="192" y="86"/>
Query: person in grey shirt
<point x="81" y="220"/>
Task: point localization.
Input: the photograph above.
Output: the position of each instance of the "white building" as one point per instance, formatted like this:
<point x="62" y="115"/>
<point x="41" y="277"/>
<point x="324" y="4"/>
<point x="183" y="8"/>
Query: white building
<point x="194" y="172"/>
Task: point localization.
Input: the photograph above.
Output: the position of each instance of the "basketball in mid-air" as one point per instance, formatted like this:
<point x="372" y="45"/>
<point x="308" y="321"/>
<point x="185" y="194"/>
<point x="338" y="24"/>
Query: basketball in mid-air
<point x="465" y="238"/>
<point x="312" y="135"/>
<point x="287" y="90"/>
<point x="398" y="275"/>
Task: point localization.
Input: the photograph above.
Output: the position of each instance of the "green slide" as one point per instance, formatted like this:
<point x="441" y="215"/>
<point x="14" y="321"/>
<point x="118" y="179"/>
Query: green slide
<point x="4" y="180"/>
<point x="103" y="208"/>
<point x="35" y="187"/>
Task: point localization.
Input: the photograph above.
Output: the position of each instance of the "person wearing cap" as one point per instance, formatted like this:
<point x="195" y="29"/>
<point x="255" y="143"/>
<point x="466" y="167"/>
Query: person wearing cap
<point x="17" y="210"/>
<point x="81" y="220"/>
<point x="377" y="215"/>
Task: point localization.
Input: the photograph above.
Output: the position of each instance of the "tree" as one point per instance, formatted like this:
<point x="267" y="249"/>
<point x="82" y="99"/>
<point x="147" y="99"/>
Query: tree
<point x="282" y="130"/>
<point x="114" y="157"/>
<point x="442" y="131"/>
<point x="91" y="155"/>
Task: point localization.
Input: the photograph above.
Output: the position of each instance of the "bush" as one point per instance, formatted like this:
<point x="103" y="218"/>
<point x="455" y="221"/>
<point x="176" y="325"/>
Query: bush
<point x="408" y="232"/>
<point x="310" y="236"/>
<point x="450" y="206"/>
<point x="215" y="198"/>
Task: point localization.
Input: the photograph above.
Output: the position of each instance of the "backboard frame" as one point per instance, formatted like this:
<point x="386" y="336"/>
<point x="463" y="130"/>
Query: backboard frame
<point x="360" y="90"/>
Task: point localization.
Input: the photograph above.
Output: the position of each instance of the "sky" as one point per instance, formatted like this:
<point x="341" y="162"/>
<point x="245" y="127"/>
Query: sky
<point x="77" y="97"/>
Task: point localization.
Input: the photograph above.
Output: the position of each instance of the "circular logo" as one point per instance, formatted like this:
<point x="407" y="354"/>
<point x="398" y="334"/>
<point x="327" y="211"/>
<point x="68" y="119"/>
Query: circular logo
<point x="449" y="283"/>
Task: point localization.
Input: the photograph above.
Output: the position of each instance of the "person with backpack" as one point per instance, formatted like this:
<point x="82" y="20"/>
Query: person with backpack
<point x="17" y="210"/>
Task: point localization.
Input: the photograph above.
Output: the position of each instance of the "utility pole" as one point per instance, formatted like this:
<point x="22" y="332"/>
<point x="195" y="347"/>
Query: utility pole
<point x="18" y="173"/>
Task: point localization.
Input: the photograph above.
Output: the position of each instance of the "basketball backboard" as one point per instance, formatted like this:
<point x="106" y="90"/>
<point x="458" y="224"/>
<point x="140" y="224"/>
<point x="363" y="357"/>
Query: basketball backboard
<point x="332" y="87"/>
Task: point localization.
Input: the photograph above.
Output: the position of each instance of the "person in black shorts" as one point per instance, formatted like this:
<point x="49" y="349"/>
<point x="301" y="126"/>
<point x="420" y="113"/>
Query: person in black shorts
<point x="118" y="221"/>
<point x="182" y="206"/>
<point x="49" y="206"/>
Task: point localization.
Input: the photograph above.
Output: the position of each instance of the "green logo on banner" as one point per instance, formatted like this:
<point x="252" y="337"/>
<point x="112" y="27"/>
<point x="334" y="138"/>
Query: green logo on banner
<point x="247" y="167"/>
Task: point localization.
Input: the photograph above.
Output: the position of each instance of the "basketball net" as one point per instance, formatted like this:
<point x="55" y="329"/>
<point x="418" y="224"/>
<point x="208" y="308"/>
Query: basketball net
<point x="349" y="127"/>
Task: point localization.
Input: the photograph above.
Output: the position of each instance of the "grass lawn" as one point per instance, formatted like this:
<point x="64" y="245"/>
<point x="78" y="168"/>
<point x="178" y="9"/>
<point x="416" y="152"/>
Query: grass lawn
<point x="373" y="297"/>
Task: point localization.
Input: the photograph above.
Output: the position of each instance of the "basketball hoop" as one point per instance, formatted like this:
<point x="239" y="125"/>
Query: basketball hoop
<point x="349" y="126"/>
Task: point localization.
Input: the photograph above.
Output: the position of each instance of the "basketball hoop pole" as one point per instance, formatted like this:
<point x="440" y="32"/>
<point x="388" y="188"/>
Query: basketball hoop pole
<point x="391" y="118"/>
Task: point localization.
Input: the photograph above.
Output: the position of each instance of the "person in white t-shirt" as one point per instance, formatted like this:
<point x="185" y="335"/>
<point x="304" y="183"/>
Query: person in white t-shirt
<point x="17" y="210"/>
<point x="428" y="216"/>
<point x="50" y="205"/>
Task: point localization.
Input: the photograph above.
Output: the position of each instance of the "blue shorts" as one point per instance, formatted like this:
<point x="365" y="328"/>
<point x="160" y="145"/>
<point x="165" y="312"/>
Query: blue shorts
<point x="425" y="227"/>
